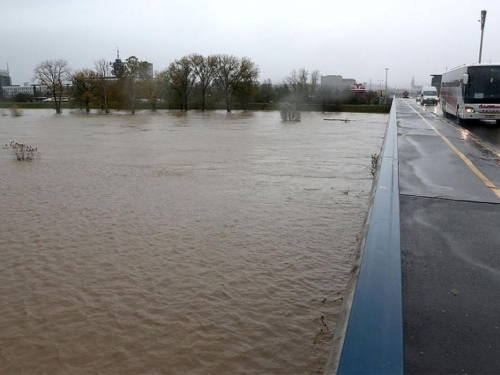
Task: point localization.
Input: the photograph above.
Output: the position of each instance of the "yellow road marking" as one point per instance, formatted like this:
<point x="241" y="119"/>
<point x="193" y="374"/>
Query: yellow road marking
<point x="472" y="137"/>
<point x="466" y="160"/>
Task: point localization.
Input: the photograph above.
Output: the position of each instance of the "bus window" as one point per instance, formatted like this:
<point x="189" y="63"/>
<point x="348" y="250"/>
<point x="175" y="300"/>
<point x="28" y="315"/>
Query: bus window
<point x="483" y="85"/>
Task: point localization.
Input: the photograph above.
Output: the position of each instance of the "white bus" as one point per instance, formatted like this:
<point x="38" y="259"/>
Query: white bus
<point x="472" y="92"/>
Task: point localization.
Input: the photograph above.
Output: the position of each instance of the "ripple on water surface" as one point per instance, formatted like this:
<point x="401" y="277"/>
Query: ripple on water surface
<point x="209" y="243"/>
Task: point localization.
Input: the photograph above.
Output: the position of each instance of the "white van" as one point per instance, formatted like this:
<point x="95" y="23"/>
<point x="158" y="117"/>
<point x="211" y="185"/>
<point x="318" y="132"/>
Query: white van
<point x="429" y="95"/>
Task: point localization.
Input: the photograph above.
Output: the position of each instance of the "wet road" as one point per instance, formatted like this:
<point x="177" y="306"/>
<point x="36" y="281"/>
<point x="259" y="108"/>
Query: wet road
<point x="450" y="215"/>
<point x="487" y="132"/>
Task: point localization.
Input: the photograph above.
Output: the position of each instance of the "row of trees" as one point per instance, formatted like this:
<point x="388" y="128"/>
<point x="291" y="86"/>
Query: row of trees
<point x="225" y="74"/>
<point x="191" y="80"/>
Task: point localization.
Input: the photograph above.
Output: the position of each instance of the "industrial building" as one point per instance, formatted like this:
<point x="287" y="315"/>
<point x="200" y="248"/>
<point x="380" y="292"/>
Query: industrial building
<point x="336" y="82"/>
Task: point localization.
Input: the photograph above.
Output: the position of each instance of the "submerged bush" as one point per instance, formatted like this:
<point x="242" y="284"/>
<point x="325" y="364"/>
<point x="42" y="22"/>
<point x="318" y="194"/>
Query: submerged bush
<point x="22" y="152"/>
<point x="15" y="111"/>
<point x="289" y="112"/>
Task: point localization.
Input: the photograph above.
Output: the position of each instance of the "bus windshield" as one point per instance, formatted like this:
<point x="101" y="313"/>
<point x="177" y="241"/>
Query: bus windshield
<point x="483" y="85"/>
<point x="430" y="93"/>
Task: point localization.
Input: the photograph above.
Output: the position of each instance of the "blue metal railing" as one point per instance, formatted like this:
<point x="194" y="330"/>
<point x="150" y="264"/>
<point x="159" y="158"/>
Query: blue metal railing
<point x="373" y="342"/>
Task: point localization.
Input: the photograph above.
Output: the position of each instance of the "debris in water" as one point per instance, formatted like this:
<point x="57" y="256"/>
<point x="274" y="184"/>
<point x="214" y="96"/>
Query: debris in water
<point x="337" y="119"/>
<point x="323" y="321"/>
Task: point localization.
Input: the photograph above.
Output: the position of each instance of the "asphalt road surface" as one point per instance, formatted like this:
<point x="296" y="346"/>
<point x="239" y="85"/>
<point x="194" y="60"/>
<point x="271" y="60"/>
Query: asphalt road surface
<point x="450" y="242"/>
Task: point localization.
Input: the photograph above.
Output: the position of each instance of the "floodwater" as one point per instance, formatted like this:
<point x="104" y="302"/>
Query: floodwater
<point x="173" y="243"/>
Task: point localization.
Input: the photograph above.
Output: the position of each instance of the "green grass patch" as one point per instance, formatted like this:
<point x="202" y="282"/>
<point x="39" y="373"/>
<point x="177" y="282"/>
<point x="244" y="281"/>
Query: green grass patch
<point x="28" y="105"/>
<point x="360" y="108"/>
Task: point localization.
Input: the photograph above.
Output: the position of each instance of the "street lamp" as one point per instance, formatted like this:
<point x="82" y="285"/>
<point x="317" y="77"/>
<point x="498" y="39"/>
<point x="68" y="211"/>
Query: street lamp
<point x="483" y="21"/>
<point x="380" y="88"/>
<point x="385" y="97"/>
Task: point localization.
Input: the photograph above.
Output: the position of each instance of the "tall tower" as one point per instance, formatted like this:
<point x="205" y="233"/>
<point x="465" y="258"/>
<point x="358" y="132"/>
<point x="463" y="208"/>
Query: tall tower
<point x="117" y="65"/>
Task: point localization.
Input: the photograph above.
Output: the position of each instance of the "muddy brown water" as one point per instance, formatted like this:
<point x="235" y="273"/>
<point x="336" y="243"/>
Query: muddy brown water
<point x="172" y="243"/>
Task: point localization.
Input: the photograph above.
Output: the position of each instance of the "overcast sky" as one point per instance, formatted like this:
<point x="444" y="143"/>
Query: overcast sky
<point x="356" y="39"/>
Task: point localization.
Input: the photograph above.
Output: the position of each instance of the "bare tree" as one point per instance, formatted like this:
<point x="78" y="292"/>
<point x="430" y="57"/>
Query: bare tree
<point x="297" y="81"/>
<point x="231" y="72"/>
<point x="103" y="74"/>
<point x="53" y="74"/>
<point x="180" y="76"/>
<point x="205" y="68"/>
<point x="302" y="86"/>
<point x="313" y="86"/>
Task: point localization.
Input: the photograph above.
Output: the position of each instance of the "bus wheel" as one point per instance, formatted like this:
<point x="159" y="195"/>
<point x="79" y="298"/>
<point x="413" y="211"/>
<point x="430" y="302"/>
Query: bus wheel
<point x="459" y="120"/>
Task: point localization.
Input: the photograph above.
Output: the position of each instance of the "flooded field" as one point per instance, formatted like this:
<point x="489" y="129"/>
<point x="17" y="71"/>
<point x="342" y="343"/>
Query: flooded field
<point x="172" y="243"/>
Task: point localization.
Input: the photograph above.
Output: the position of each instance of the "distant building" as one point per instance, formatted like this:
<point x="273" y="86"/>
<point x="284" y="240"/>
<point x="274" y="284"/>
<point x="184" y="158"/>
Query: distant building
<point x="436" y="82"/>
<point x="12" y="90"/>
<point x="336" y="82"/>
<point x="28" y="89"/>
<point x="119" y="64"/>
<point x="5" y="78"/>
<point x="414" y="86"/>
<point x="149" y="69"/>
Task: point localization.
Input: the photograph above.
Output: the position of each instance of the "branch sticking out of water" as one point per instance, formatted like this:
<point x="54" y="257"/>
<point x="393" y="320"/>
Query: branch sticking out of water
<point x="22" y="152"/>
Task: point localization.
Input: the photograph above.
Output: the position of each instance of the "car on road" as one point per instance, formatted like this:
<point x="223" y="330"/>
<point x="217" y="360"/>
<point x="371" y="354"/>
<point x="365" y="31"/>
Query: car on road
<point x="429" y="95"/>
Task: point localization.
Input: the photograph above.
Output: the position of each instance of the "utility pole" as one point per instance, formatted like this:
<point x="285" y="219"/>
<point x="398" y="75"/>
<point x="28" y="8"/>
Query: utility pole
<point x="385" y="97"/>
<point x="483" y="21"/>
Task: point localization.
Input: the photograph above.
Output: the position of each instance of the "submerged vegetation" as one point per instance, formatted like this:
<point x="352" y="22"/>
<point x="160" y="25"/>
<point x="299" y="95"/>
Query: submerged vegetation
<point x="15" y="111"/>
<point x="22" y="152"/>
<point x="289" y="112"/>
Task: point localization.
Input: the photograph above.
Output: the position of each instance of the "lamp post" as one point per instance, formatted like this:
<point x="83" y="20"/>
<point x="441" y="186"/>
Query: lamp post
<point x="380" y="87"/>
<point x="385" y="96"/>
<point x="483" y="21"/>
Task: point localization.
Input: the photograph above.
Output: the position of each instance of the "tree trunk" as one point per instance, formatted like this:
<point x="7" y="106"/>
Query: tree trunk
<point x="133" y="95"/>
<point x="228" y="103"/>
<point x="203" y="94"/>
<point x="106" y="109"/>
<point x="57" y="104"/>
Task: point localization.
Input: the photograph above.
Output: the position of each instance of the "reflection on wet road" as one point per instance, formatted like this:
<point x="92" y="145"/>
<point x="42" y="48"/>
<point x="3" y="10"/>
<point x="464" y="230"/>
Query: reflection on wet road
<point x="487" y="132"/>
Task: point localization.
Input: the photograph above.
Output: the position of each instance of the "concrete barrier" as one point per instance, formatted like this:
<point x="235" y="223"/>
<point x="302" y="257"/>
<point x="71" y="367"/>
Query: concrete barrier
<point x="369" y="335"/>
